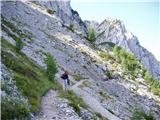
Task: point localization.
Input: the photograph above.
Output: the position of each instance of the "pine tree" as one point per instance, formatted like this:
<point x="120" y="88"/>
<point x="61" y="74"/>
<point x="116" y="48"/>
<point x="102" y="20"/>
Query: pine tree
<point x="91" y="35"/>
<point x="51" y="67"/>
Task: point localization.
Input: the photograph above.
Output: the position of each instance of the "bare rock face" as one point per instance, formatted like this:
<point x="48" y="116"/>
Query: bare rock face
<point x="114" y="31"/>
<point x="64" y="11"/>
<point x="146" y="58"/>
<point x="93" y="24"/>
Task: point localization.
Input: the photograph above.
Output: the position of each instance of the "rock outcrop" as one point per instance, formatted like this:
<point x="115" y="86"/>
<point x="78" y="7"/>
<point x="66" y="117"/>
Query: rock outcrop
<point x="64" y="11"/>
<point x="10" y="92"/>
<point x="114" y="31"/>
<point x="93" y="24"/>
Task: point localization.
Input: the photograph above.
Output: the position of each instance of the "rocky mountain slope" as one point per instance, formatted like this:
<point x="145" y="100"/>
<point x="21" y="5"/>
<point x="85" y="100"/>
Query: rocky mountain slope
<point x="99" y="89"/>
<point x="66" y="13"/>
<point x="114" y="31"/>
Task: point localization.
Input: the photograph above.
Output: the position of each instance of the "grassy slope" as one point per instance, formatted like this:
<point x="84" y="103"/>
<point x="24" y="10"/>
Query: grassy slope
<point x="31" y="80"/>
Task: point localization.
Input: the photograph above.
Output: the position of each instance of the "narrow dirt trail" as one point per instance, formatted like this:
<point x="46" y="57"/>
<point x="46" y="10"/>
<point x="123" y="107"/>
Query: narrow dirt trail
<point x="93" y="103"/>
<point x="55" y="108"/>
<point x="48" y="107"/>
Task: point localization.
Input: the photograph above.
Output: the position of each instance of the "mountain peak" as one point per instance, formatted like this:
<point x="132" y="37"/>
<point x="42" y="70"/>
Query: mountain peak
<point x="113" y="30"/>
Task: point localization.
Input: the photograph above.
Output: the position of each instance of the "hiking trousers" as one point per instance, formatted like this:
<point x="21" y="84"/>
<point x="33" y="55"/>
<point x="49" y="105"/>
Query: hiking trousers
<point x="65" y="84"/>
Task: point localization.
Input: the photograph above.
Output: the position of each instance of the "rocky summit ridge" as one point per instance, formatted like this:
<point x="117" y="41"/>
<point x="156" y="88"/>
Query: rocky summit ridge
<point x="36" y="33"/>
<point x="113" y="30"/>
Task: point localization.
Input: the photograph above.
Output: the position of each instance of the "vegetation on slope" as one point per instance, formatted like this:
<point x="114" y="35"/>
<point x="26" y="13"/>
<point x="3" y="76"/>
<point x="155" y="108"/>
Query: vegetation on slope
<point x="18" y="34"/>
<point x="91" y="35"/>
<point x="12" y="109"/>
<point x="19" y="43"/>
<point x="133" y="67"/>
<point x="33" y="81"/>
<point x="141" y="115"/>
<point x="105" y="56"/>
<point x="153" y="82"/>
<point x="30" y="79"/>
<point x="74" y="101"/>
<point x="127" y="60"/>
<point x="71" y="27"/>
<point x="51" y="11"/>
<point x="51" y="67"/>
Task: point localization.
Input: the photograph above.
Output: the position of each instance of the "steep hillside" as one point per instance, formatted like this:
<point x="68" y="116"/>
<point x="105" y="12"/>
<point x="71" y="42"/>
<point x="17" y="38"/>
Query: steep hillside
<point x="102" y="86"/>
<point x="114" y="31"/>
<point x="69" y="16"/>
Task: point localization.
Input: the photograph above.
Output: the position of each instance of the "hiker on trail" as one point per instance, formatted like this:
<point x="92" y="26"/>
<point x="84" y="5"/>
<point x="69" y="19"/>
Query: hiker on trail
<point x="66" y="80"/>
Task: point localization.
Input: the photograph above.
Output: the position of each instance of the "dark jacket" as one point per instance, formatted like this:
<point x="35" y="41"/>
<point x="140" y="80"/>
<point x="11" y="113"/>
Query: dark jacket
<point x="64" y="76"/>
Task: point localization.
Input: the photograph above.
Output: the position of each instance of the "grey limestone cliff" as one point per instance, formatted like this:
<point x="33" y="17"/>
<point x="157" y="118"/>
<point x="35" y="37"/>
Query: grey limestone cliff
<point x="114" y="31"/>
<point x="63" y="10"/>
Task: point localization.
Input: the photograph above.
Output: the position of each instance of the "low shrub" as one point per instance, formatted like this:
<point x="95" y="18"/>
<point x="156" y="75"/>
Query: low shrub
<point x="19" y="45"/>
<point x="50" y="11"/>
<point x="71" y="27"/>
<point x="108" y="74"/>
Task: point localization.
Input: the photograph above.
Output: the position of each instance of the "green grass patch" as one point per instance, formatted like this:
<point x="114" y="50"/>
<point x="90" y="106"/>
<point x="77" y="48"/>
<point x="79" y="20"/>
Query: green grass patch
<point x="141" y="115"/>
<point x="11" y="110"/>
<point x="77" y="77"/>
<point x="105" y="56"/>
<point x="156" y="91"/>
<point x="74" y="101"/>
<point x="30" y="79"/>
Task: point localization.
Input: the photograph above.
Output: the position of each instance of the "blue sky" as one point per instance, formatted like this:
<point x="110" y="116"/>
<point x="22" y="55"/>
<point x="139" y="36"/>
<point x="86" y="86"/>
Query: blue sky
<point x="141" y="17"/>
